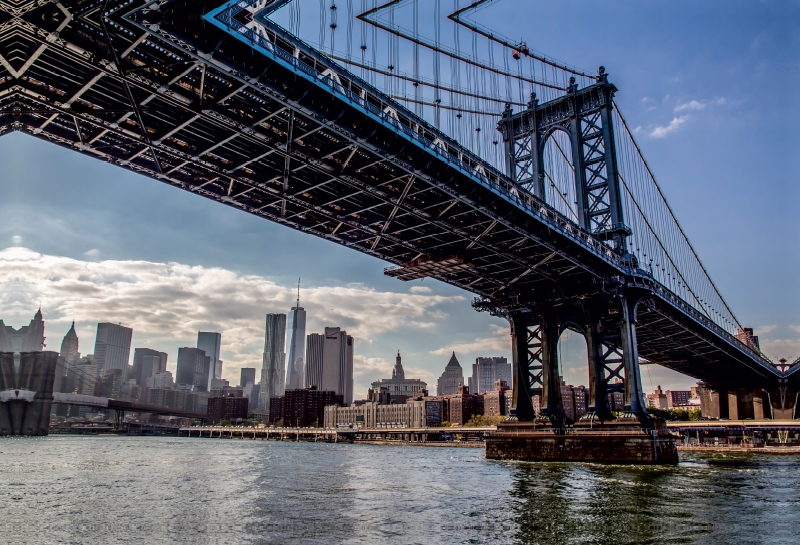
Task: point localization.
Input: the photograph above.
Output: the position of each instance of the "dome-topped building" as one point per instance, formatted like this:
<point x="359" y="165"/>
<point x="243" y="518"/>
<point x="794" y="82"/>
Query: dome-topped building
<point x="451" y="379"/>
<point x="399" y="387"/>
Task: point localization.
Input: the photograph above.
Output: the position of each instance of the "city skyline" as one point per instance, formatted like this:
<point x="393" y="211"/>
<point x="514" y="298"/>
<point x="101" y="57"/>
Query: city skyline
<point x="572" y="353"/>
<point x="121" y="242"/>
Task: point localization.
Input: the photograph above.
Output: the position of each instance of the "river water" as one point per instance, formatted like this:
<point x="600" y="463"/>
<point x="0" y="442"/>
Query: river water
<point x="96" y="490"/>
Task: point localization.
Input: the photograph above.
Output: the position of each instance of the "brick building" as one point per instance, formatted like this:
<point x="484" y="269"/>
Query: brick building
<point x="227" y="408"/>
<point x="303" y="408"/>
<point x="464" y="406"/>
<point x="495" y="402"/>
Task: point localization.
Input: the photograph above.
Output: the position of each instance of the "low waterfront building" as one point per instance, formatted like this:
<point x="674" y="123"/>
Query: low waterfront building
<point x="412" y="414"/>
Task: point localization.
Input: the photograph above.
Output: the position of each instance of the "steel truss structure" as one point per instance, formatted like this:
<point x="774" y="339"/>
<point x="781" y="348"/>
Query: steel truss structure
<point x="585" y="115"/>
<point x="219" y="101"/>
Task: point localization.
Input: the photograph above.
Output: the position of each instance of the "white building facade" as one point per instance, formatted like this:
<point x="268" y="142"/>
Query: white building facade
<point x="370" y="415"/>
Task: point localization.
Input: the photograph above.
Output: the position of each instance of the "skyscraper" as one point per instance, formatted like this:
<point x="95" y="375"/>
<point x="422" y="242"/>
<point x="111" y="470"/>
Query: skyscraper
<point x="112" y="348"/>
<point x="272" y="367"/>
<point x="485" y="371"/>
<point x="69" y="346"/>
<point x="209" y="343"/>
<point x="314" y="344"/>
<point x="248" y="376"/>
<point x="68" y="356"/>
<point x="147" y="363"/>
<point x="451" y="379"/>
<point x="337" y="363"/>
<point x="29" y="338"/>
<point x="295" y="342"/>
<point x="194" y="368"/>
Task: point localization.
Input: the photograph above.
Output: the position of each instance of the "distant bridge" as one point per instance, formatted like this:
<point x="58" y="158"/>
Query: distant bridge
<point x="219" y="100"/>
<point x="120" y="407"/>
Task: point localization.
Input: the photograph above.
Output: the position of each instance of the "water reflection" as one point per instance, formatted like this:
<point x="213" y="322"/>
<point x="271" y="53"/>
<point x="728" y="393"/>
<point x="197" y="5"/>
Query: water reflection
<point x="162" y="490"/>
<point x="715" y="499"/>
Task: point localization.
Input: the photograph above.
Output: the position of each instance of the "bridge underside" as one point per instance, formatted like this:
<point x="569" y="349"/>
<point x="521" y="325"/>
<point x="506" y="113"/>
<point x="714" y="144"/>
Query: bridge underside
<point x="173" y="97"/>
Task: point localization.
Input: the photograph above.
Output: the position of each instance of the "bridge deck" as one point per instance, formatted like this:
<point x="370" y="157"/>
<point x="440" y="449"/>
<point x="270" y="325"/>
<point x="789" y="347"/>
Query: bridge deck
<point x="183" y="98"/>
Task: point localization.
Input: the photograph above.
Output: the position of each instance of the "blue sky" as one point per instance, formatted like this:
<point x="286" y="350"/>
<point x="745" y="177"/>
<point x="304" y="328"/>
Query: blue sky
<point x="710" y="86"/>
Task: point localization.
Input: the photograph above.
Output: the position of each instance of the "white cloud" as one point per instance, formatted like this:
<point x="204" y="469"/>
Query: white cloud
<point x="777" y="348"/>
<point x="94" y="253"/>
<point x="780" y="348"/>
<point x="499" y="340"/>
<point x="16" y="240"/>
<point x="420" y="289"/>
<point x="720" y="101"/>
<point x="691" y="105"/>
<point x="662" y="131"/>
<point x="167" y="303"/>
<point x="764" y="329"/>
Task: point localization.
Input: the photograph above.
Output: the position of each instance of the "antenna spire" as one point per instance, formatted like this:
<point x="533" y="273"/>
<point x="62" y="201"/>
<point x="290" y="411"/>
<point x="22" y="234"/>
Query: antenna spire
<point x="298" y="292"/>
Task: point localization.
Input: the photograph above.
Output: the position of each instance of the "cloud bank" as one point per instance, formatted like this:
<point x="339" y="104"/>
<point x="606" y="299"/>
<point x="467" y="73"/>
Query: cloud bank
<point x="168" y="303"/>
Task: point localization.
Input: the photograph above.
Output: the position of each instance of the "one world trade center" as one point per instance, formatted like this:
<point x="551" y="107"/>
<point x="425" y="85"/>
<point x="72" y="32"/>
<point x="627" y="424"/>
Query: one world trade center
<point x="296" y="342"/>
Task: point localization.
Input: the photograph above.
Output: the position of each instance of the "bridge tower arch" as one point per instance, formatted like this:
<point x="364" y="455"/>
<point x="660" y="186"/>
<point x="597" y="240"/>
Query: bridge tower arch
<point x="557" y="160"/>
<point x="586" y="116"/>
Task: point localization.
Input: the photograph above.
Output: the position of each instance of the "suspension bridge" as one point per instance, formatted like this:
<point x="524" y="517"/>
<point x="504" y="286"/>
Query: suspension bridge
<point x="415" y="135"/>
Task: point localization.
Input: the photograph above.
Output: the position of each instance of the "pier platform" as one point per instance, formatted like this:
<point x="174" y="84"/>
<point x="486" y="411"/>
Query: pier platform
<point x="618" y="443"/>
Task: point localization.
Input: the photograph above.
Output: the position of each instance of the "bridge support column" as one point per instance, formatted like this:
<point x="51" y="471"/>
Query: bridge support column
<point x="713" y="403"/>
<point x="535" y="368"/>
<point x="605" y="363"/>
<point x="634" y="394"/>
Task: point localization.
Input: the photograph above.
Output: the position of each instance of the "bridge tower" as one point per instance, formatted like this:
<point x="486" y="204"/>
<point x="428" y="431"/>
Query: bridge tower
<point x="585" y="115"/>
<point x="608" y="323"/>
<point x="606" y="317"/>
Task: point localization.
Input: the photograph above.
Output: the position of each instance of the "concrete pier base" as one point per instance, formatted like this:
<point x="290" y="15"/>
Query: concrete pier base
<point x="603" y="443"/>
<point x="26" y="392"/>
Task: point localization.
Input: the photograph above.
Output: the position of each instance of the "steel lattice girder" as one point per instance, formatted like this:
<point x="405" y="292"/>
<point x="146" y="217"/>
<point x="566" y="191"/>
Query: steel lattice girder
<point x="175" y="98"/>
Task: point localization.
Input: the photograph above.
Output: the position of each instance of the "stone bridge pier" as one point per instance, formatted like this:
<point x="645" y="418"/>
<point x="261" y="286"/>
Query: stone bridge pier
<point x="720" y="401"/>
<point x="26" y="392"/>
